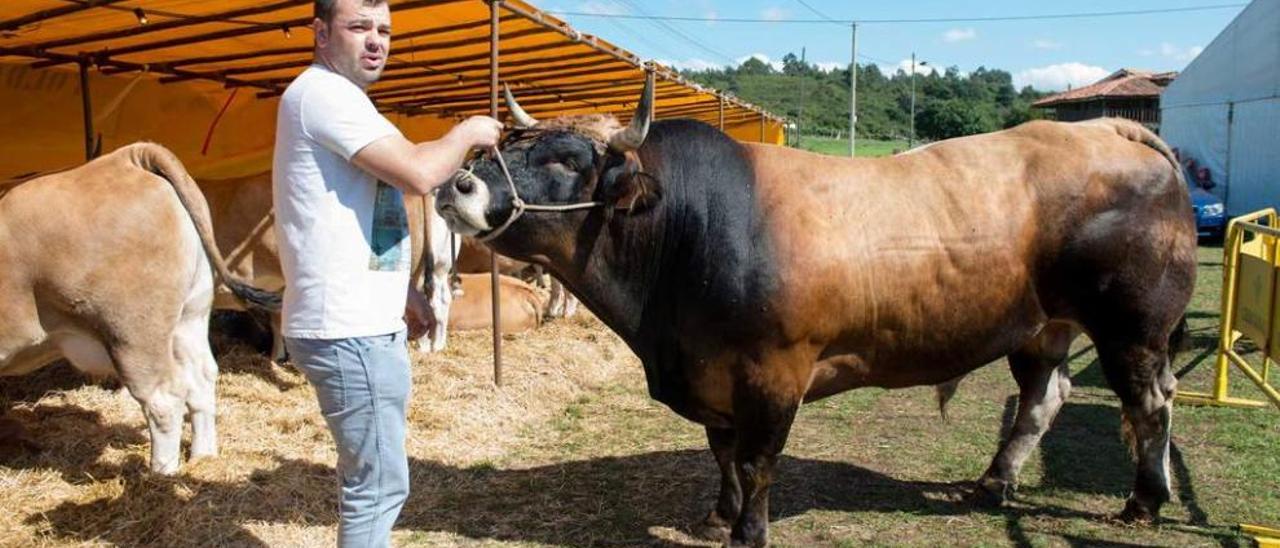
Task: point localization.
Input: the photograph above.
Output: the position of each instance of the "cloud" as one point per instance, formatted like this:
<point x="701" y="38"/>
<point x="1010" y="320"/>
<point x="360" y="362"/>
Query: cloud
<point x="959" y="35"/>
<point x="602" y="8"/>
<point x="774" y="13"/>
<point x="1045" y="43"/>
<point x="777" y="65"/>
<point x="1058" y="77"/>
<point x="829" y="66"/>
<point x="691" y="64"/>
<point x="922" y="69"/>
<point x="1180" y="54"/>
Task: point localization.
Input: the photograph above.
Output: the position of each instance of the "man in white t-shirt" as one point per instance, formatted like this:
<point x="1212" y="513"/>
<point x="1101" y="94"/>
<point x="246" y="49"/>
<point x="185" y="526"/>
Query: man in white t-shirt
<point x="340" y="169"/>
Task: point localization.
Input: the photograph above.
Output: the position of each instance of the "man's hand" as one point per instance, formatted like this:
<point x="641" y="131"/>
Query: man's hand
<point x="478" y="132"/>
<point x="419" y="169"/>
<point x="418" y="314"/>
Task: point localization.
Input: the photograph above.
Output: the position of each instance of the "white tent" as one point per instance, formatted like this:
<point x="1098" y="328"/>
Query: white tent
<point x="1224" y="110"/>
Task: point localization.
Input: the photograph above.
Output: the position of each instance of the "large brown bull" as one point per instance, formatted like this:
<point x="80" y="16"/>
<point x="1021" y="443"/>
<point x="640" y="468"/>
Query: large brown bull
<point x="752" y="278"/>
<point x="108" y="266"/>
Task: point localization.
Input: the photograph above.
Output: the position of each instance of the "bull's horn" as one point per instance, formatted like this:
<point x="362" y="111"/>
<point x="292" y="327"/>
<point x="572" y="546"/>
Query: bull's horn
<point x="631" y="138"/>
<point x="522" y="118"/>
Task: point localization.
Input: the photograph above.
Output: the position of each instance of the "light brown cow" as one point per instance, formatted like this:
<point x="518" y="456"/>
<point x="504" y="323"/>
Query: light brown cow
<point x="522" y="304"/>
<point x="245" y="222"/>
<point x="473" y="258"/>
<point x="108" y="266"/>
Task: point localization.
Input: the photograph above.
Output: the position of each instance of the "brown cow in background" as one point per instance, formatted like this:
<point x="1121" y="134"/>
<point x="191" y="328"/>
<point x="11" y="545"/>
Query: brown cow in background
<point x="522" y="304"/>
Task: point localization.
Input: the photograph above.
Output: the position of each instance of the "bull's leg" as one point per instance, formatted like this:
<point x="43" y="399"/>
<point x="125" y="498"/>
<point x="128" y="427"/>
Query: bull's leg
<point x="729" y="503"/>
<point x="155" y="381"/>
<point x="762" y="422"/>
<point x="1141" y="376"/>
<point x="200" y="372"/>
<point x="1044" y="383"/>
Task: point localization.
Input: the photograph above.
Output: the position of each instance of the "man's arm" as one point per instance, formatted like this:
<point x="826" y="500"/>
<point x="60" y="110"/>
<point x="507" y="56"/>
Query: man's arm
<point x="417" y="169"/>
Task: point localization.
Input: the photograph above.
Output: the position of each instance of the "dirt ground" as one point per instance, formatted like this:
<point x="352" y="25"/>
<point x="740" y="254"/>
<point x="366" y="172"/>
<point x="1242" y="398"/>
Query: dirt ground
<point x="571" y="452"/>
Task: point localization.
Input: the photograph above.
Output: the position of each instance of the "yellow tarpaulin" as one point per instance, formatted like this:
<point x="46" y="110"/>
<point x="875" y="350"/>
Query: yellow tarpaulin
<point x="203" y="77"/>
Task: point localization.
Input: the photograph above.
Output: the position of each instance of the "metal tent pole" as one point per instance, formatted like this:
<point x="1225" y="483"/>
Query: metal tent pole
<point x="494" y="29"/>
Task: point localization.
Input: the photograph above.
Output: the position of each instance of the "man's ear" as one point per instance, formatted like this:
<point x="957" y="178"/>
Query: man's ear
<point x="627" y="187"/>
<point x="321" y="32"/>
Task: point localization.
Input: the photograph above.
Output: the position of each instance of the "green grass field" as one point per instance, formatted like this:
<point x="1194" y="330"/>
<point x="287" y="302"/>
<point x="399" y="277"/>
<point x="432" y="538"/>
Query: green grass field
<point x="840" y="147"/>
<point x="881" y="468"/>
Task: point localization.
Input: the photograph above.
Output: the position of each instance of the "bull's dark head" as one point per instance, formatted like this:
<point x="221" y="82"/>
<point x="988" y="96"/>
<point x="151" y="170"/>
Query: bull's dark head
<point x="563" y="161"/>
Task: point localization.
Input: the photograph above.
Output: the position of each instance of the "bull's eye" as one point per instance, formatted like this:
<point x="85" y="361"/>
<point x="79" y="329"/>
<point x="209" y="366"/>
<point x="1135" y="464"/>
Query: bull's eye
<point x="570" y="163"/>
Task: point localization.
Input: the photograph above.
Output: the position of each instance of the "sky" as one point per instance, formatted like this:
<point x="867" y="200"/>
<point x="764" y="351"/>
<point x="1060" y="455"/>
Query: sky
<point x="1046" y="54"/>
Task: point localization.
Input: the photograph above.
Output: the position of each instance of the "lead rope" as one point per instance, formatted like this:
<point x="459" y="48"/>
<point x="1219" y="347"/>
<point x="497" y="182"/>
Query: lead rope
<point x="518" y="206"/>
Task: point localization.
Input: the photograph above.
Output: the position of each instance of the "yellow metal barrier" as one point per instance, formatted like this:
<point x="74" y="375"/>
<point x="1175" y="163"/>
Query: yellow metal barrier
<point x="1249" y="308"/>
<point x="1266" y="537"/>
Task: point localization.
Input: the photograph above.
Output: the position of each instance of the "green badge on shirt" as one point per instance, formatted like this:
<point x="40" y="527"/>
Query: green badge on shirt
<point x="390" y="239"/>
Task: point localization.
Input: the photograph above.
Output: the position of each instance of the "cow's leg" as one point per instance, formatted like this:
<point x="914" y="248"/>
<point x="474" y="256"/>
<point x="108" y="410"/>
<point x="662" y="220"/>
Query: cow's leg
<point x="717" y="524"/>
<point x="441" y="300"/>
<point x="762" y="421"/>
<point x="155" y="381"/>
<point x="1141" y="376"/>
<point x="200" y="373"/>
<point x="279" y="354"/>
<point x="1044" y="383"/>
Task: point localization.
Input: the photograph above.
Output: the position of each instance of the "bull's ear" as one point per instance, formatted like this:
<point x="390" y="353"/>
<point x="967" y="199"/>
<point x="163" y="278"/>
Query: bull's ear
<point x="628" y="188"/>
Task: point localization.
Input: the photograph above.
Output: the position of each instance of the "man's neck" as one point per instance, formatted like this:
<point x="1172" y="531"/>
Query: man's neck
<point x="323" y="61"/>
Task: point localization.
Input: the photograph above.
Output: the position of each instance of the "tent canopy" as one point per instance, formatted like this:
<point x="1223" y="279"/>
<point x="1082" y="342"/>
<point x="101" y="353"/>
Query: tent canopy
<point x="203" y="77"/>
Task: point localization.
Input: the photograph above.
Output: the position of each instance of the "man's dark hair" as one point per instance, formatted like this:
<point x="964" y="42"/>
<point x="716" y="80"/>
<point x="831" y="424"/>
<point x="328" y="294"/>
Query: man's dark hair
<point x="324" y="8"/>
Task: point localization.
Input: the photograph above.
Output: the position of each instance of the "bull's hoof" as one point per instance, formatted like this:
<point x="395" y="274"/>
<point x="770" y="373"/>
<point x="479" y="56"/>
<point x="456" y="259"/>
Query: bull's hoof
<point x="14" y="435"/>
<point x="1138" y="513"/>
<point x="735" y="543"/>
<point x="713" y="527"/>
<point x="992" y="493"/>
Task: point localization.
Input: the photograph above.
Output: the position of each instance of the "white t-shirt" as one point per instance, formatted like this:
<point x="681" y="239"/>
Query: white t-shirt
<point x="343" y="235"/>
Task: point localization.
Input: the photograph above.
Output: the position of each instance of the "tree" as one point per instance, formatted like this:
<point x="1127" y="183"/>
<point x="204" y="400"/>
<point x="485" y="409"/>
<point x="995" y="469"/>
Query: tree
<point x="953" y="118"/>
<point x="754" y="67"/>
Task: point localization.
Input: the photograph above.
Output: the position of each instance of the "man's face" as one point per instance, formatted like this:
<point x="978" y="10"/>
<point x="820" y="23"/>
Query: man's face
<point x="357" y="42"/>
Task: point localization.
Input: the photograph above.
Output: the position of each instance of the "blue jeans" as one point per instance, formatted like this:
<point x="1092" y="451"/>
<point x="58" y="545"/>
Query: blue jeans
<point x="363" y="387"/>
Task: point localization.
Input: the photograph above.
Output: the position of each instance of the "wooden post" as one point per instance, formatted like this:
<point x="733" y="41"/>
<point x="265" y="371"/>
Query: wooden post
<point x="721" y="112"/>
<point x="86" y="105"/>
<point x="494" y="25"/>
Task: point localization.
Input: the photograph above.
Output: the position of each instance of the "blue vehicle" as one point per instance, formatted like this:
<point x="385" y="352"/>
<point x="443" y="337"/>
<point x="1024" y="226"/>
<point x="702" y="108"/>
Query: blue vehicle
<point x="1211" y="214"/>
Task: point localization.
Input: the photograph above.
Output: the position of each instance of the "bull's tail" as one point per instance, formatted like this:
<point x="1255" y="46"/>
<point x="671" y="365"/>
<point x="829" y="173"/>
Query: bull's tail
<point x="1138" y="133"/>
<point x="160" y="161"/>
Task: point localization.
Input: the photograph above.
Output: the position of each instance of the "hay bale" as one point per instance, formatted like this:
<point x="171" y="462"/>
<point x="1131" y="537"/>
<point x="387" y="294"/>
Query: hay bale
<point x="274" y="481"/>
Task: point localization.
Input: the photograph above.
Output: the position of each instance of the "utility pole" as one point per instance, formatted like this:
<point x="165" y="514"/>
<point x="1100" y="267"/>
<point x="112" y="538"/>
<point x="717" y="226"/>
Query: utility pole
<point x="800" y="118"/>
<point x="853" y="94"/>
<point x="911" y="139"/>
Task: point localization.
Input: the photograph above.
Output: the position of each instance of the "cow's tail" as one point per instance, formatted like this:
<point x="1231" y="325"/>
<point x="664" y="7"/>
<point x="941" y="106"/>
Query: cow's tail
<point x="160" y="161"/>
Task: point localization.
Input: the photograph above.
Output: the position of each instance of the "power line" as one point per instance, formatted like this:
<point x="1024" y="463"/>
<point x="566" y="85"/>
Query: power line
<point x="1001" y="18"/>
<point x="663" y="25"/>
<point x="816" y="12"/>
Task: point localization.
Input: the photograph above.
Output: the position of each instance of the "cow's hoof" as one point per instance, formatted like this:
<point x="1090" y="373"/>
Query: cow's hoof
<point x="992" y="493"/>
<point x="712" y="527"/>
<point x="1137" y="513"/>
